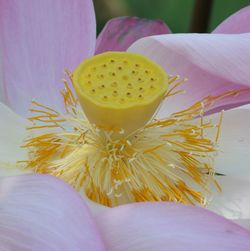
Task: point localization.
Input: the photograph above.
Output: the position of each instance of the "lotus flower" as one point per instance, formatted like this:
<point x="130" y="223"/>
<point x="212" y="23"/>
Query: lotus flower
<point x="62" y="34"/>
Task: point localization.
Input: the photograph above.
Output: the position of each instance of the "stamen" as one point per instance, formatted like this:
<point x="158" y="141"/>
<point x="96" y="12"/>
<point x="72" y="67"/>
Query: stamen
<point x="170" y="159"/>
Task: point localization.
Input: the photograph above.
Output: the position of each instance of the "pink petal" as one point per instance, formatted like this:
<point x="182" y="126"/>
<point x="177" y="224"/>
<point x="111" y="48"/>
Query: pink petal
<point x="12" y="134"/>
<point x="38" y="40"/>
<point x="245" y="223"/>
<point x="169" y="226"/>
<point x="234" y="142"/>
<point x="213" y="63"/>
<point x="236" y="23"/>
<point x="119" y="33"/>
<point x="39" y="213"/>
<point x="234" y="200"/>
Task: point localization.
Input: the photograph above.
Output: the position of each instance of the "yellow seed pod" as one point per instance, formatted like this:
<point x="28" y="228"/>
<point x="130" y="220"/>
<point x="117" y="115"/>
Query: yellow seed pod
<point x="119" y="90"/>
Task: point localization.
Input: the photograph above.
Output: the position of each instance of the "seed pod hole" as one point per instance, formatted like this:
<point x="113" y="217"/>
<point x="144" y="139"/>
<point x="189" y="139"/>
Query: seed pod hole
<point x="129" y="85"/>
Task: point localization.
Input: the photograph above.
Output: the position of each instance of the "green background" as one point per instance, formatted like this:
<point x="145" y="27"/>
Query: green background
<point x="176" y="13"/>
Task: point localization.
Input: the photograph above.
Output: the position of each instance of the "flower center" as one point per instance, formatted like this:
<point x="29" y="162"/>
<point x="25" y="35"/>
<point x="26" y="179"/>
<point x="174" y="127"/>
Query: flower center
<point x="120" y="91"/>
<point x="168" y="159"/>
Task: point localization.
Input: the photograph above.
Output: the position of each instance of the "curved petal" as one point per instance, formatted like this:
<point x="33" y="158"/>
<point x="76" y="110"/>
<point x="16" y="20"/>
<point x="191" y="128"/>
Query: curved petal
<point x="94" y="207"/>
<point x="40" y="213"/>
<point x="234" y="200"/>
<point x="245" y="223"/>
<point x="234" y="142"/>
<point x="169" y="226"/>
<point x="38" y="40"/>
<point x="1" y="83"/>
<point x="236" y="23"/>
<point x="119" y="33"/>
<point x="12" y="134"/>
<point x="213" y="64"/>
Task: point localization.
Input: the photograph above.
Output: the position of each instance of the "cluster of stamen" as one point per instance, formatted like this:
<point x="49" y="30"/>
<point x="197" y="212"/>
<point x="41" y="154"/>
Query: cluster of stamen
<point x="167" y="159"/>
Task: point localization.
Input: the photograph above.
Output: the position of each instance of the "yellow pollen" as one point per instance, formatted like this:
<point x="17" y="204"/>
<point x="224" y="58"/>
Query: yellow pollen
<point x="120" y="90"/>
<point x="168" y="159"/>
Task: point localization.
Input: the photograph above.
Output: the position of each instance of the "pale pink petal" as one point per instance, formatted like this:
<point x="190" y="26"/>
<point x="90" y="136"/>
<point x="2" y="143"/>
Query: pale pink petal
<point x="243" y="222"/>
<point x="119" y="33"/>
<point x="234" y="142"/>
<point x="94" y="207"/>
<point x="233" y="201"/>
<point x="236" y="23"/>
<point x="12" y="134"/>
<point x="38" y="40"/>
<point x="169" y="226"/>
<point x="41" y="213"/>
<point x="1" y="83"/>
<point x="213" y="64"/>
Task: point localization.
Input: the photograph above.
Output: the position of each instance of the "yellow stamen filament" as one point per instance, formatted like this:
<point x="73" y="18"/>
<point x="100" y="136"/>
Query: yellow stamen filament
<point x="169" y="159"/>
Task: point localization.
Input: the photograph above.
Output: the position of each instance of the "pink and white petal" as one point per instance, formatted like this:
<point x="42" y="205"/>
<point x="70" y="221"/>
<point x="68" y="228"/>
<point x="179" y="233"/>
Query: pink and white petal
<point x="234" y="142"/>
<point x="213" y="64"/>
<point x="243" y="222"/>
<point x="119" y="33"/>
<point x="1" y="83"/>
<point x="236" y="23"/>
<point x="38" y="40"/>
<point x="94" y="207"/>
<point x="234" y="200"/>
<point x="169" y="226"/>
<point x="12" y="134"/>
<point x="40" y="212"/>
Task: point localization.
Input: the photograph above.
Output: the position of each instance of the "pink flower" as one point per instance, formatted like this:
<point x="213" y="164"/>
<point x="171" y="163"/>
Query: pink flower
<point x="40" y="212"/>
<point x="38" y="39"/>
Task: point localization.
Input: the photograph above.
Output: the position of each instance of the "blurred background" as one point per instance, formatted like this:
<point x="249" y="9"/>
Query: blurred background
<point x="180" y="15"/>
